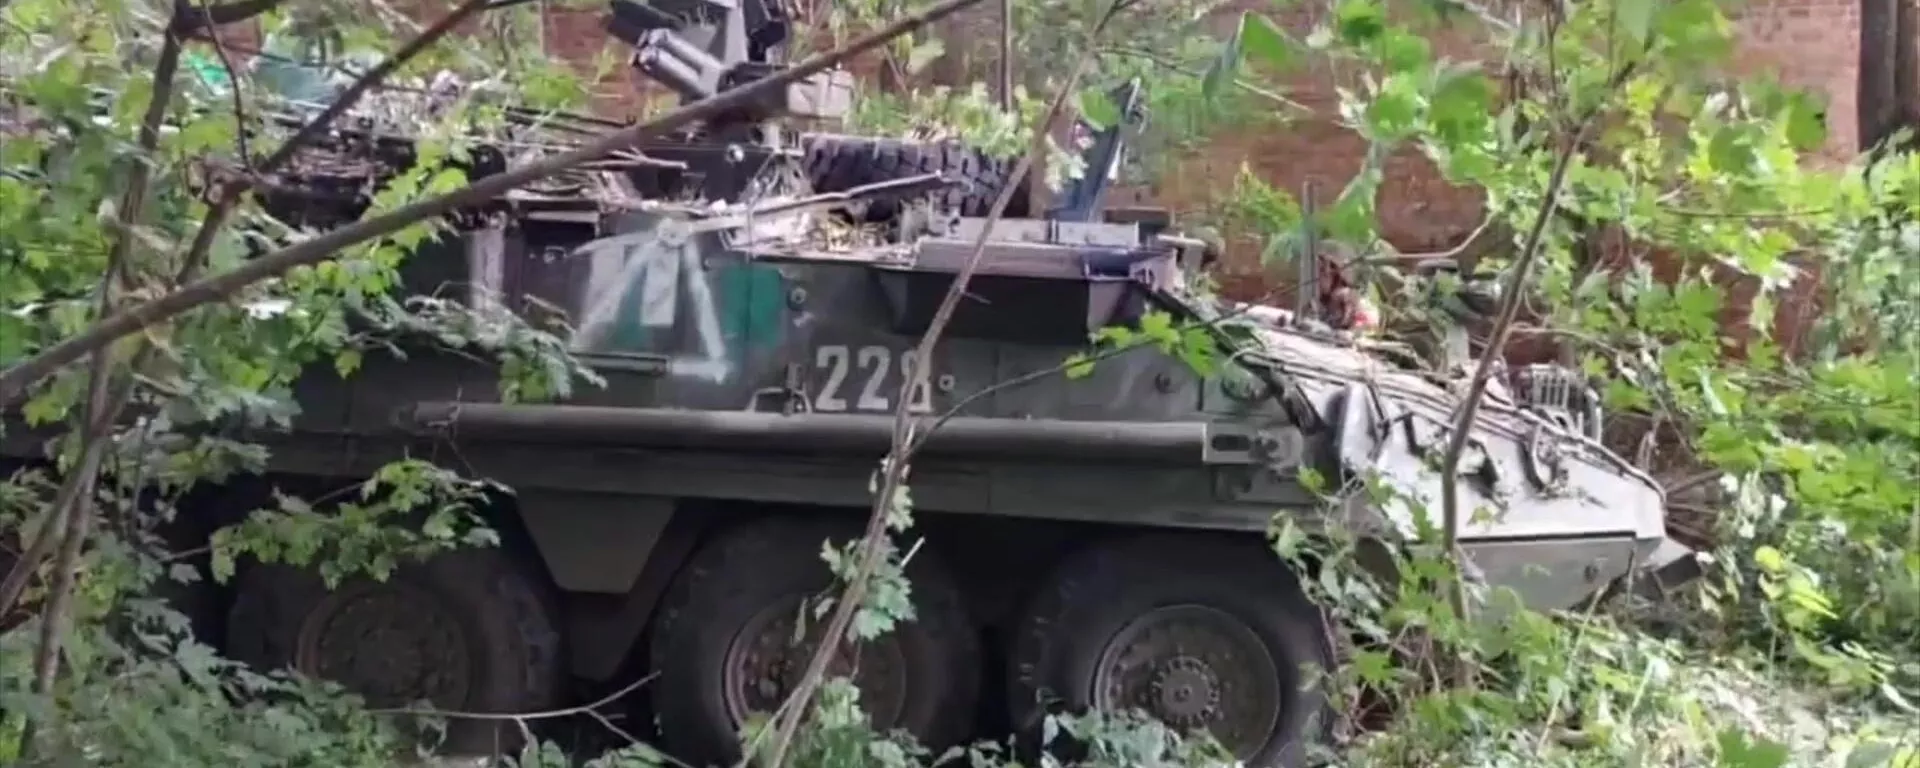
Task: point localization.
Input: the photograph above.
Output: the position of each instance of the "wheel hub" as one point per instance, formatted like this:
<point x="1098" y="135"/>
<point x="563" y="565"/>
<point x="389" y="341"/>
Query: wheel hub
<point x="1185" y="691"/>
<point x="768" y="657"/>
<point x="1194" y="667"/>
<point x="391" y="644"/>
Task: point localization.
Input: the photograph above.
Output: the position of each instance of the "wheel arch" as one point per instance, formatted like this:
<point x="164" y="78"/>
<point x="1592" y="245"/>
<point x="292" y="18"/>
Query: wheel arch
<point x="611" y="606"/>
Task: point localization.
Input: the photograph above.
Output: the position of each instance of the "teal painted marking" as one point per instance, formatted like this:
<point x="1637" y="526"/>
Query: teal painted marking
<point x="752" y="297"/>
<point x="627" y="335"/>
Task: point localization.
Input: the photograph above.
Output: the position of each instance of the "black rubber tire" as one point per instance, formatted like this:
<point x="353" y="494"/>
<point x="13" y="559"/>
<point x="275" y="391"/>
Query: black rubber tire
<point x="1089" y="597"/>
<point x="504" y="612"/>
<point x="734" y="576"/>
<point x="836" y="163"/>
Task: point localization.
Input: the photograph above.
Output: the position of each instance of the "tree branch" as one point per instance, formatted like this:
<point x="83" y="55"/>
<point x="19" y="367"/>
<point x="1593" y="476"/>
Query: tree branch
<point x="1496" y="342"/>
<point x="590" y="709"/>
<point x="894" y="470"/>
<point x="72" y="519"/>
<point x="73" y="490"/>
<point x="228" y="194"/>
<point x="239" y="99"/>
<point x="1161" y="60"/>
<point x="1511" y="297"/>
<point x="16" y="379"/>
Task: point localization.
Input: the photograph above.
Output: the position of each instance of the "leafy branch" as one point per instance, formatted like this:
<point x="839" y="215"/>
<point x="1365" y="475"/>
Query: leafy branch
<point x="72" y="520"/>
<point x="18" y="378"/>
<point x="79" y="483"/>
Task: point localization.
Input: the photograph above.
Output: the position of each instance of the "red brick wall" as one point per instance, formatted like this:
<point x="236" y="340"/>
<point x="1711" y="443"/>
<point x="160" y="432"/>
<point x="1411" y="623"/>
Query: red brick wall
<point x="1812" y="44"/>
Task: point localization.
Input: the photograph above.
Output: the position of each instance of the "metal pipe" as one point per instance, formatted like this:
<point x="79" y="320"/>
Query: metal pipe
<point x="963" y="436"/>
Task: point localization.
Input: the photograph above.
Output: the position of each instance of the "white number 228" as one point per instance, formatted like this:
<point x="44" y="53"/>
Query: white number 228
<point x="875" y="364"/>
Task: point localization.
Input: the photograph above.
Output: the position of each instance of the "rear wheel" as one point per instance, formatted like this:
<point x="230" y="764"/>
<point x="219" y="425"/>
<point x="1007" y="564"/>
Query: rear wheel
<point x="468" y="631"/>
<point x="723" y="645"/>
<point x="1202" y="633"/>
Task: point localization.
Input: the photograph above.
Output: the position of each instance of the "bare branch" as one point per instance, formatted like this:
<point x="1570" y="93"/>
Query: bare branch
<point x="75" y="523"/>
<point x="1469" y="408"/>
<point x="16" y="379"/>
<point x="894" y="470"/>
<point x="590" y="709"/>
<point x="239" y="99"/>
<point x="1163" y="61"/>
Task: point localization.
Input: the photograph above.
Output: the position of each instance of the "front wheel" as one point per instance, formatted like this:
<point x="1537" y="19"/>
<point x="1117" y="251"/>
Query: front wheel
<point x="725" y="647"/>
<point x="1203" y="633"/>
<point x="469" y="631"/>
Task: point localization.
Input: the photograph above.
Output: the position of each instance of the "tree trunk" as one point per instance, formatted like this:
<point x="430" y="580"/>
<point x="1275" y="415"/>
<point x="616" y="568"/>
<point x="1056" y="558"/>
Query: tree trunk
<point x="1906" y="62"/>
<point x="1888" y="91"/>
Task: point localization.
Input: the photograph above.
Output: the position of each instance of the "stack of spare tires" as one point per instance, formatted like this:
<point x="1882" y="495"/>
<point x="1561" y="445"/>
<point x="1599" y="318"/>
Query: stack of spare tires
<point x="837" y="163"/>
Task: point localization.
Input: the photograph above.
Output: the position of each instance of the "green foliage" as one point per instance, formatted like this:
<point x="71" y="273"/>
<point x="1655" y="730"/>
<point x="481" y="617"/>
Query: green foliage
<point x="408" y="510"/>
<point x="1167" y="46"/>
<point x="1195" y="344"/>
<point x="132" y="688"/>
<point x="1811" y="437"/>
<point x="943" y="113"/>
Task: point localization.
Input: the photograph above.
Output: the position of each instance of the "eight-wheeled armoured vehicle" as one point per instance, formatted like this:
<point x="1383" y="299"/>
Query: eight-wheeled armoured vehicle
<point x="753" y="301"/>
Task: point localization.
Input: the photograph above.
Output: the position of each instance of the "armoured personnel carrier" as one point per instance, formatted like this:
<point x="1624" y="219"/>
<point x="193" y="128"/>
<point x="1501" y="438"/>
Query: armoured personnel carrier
<point x="1087" y="541"/>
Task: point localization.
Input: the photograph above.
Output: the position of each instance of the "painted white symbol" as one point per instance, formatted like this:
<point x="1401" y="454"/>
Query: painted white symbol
<point x="875" y="364"/>
<point x="664" y="266"/>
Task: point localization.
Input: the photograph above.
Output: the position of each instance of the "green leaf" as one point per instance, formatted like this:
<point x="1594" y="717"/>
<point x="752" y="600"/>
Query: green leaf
<point x="1079" y="365"/>
<point x="1692" y="30"/>
<point x="1460" y="105"/>
<point x="1267" y="42"/>
<point x="1634" y="19"/>
<point x="1359" y="22"/>
<point x="1158" y="329"/>
<point x="1374" y="668"/>
<point x="1403" y="51"/>
<point x="1737" y="750"/>
<point x="1805" y="122"/>
<point x="1395" y="111"/>
<point x="1097" y="108"/>
<point x="1225" y="68"/>
<point x="1730" y="151"/>
<point x="346" y="362"/>
<point x="1312" y="480"/>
